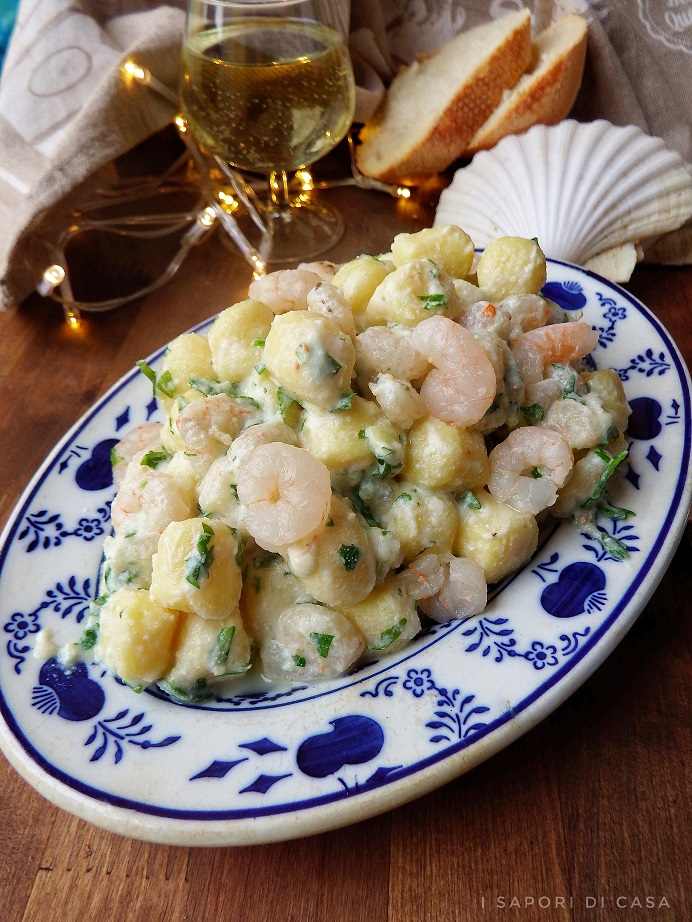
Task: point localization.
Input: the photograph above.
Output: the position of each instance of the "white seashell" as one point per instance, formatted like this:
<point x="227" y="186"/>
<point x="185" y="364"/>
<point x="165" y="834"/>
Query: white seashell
<point x="588" y="191"/>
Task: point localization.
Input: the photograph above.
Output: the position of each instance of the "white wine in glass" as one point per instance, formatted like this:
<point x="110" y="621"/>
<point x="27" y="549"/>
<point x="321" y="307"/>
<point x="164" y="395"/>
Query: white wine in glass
<point x="268" y="87"/>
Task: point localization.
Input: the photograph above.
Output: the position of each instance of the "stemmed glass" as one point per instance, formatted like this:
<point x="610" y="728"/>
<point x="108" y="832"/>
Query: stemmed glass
<point x="268" y="87"/>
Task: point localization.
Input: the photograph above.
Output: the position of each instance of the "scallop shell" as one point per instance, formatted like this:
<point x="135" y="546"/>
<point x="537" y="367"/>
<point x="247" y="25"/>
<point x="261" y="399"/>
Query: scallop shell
<point x="592" y="193"/>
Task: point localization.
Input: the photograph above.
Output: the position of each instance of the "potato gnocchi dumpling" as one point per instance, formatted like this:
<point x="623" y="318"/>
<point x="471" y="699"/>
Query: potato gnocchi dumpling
<point x="348" y="454"/>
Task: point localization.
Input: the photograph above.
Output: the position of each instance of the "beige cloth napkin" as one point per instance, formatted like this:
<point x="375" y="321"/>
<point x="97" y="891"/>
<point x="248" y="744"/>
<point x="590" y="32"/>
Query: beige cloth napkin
<point x="67" y="110"/>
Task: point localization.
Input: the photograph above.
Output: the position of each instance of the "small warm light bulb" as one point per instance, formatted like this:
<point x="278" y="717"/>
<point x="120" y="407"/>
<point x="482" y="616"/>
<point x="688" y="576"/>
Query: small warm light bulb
<point x="134" y="70"/>
<point x="260" y="269"/>
<point x="305" y="179"/>
<point x="180" y="124"/>
<point x="403" y="192"/>
<point x="54" y="275"/>
<point x="72" y="319"/>
<point x="206" y="217"/>
<point x="229" y="202"/>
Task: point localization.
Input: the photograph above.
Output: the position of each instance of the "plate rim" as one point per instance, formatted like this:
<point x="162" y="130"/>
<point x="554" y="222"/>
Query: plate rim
<point x="437" y="770"/>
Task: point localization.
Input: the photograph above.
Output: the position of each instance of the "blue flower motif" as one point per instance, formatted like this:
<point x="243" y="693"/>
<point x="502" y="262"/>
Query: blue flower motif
<point x="615" y="313"/>
<point x="418" y="681"/>
<point x="88" y="529"/>
<point x="20" y="625"/>
<point x="541" y="655"/>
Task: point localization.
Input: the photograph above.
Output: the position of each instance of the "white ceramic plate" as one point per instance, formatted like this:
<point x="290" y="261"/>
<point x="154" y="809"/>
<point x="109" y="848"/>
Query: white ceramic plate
<point x="264" y="764"/>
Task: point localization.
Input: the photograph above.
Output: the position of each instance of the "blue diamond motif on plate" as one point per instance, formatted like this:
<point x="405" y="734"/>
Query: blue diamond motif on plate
<point x="654" y="457"/>
<point x="217" y="769"/>
<point x="262" y="783"/>
<point x="263" y="747"/>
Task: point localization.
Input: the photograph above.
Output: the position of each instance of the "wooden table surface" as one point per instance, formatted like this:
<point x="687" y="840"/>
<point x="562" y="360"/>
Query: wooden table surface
<point x="587" y="817"/>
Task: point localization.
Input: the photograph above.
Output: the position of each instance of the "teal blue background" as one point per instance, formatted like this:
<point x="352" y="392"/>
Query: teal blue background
<point x="8" y="13"/>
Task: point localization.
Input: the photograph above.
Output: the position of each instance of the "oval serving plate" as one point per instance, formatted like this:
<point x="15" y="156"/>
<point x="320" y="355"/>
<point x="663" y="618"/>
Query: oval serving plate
<point x="263" y="764"/>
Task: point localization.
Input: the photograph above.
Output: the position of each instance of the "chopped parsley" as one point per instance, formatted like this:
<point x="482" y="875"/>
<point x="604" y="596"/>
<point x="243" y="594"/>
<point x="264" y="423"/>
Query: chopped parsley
<point x="433" y="302"/>
<point x="344" y="402"/>
<point x="611" y="464"/>
<point x="536" y="473"/>
<point x="299" y="660"/>
<point x="469" y="500"/>
<point x="388" y="636"/>
<point x="350" y="555"/>
<point x="88" y="638"/>
<point x="163" y="382"/>
<point x="533" y="413"/>
<point x="154" y="458"/>
<point x="210" y="388"/>
<point x="222" y="646"/>
<point x="198" y="691"/>
<point x="322" y="643"/>
<point x="332" y="364"/>
<point x="198" y="563"/>
<point x="286" y="400"/>
<point x="258" y="343"/>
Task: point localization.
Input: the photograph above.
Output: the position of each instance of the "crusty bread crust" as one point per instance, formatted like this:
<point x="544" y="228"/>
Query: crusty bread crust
<point x="392" y="151"/>
<point x="546" y="94"/>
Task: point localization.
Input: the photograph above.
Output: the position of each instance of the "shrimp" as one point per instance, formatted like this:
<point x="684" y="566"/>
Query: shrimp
<point x="389" y="350"/>
<point x="150" y="498"/>
<point x="545" y="456"/>
<point x="311" y="642"/>
<point x="328" y="300"/>
<point x="558" y="342"/>
<point x="249" y="439"/>
<point x="424" y="576"/>
<point x="209" y="425"/>
<point x="484" y="315"/>
<point x="461" y="387"/>
<point x="146" y="437"/>
<point x="285" y="493"/>
<point x="284" y="290"/>
<point x="398" y="400"/>
<point x="446" y="587"/>
<point x="325" y="269"/>
<point x="527" y="312"/>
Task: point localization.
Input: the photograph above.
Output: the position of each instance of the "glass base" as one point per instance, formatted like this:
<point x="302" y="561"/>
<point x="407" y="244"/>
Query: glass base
<point x="302" y="231"/>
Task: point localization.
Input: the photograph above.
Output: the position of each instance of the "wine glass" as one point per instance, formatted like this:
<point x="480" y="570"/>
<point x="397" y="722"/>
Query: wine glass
<point x="267" y="86"/>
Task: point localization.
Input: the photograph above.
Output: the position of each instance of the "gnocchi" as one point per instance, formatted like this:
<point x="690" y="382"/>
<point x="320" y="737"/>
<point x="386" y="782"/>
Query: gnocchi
<point x="348" y="453"/>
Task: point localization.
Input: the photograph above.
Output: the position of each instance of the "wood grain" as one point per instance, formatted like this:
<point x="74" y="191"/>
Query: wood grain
<point x="581" y="819"/>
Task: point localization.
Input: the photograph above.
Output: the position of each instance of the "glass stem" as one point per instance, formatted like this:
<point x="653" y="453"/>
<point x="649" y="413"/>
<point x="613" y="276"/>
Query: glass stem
<point x="279" y="197"/>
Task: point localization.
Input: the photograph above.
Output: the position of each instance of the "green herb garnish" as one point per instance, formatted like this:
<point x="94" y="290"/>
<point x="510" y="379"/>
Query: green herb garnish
<point x="322" y="642"/>
<point x="388" y="637"/>
<point x="88" y="638"/>
<point x="154" y="458"/>
<point x="163" y="382"/>
<point x="469" y="500"/>
<point x="533" y="414"/>
<point x="222" y="646"/>
<point x="433" y="302"/>
<point x="611" y="464"/>
<point x="349" y="554"/>
<point x="198" y="563"/>
<point x="344" y="402"/>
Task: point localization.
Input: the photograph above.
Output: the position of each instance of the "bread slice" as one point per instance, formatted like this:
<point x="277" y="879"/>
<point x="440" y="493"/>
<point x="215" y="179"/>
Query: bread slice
<point x="434" y="107"/>
<point x="546" y="92"/>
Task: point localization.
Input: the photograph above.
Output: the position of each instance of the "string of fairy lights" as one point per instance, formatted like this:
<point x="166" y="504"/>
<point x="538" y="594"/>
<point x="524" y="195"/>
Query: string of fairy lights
<point x="217" y="209"/>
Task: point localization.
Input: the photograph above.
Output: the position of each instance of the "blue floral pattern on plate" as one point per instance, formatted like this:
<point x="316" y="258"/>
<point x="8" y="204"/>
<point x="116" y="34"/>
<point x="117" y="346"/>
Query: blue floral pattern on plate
<point x="261" y="763"/>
